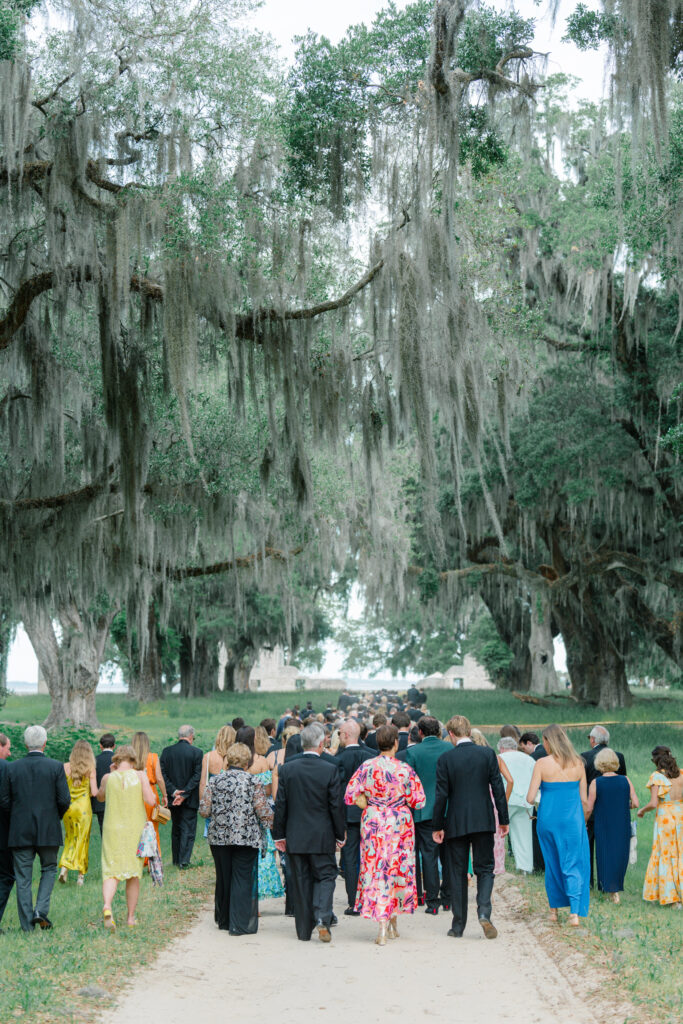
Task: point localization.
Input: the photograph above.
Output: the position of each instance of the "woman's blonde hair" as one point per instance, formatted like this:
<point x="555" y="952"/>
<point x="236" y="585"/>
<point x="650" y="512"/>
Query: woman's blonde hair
<point x="225" y="738"/>
<point x="607" y="761"/>
<point x="261" y="741"/>
<point x="560" y="746"/>
<point x="291" y="730"/>
<point x="81" y="761"/>
<point x="125" y="753"/>
<point x="239" y="756"/>
<point x="140" y="744"/>
<point x="479" y="738"/>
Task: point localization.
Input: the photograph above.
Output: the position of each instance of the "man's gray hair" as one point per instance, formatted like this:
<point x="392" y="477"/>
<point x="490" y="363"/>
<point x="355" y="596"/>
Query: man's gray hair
<point x="312" y="736"/>
<point x="506" y="743"/>
<point x="35" y="737"/>
<point x="184" y="731"/>
<point x="600" y="734"/>
<point x="4" y="740"/>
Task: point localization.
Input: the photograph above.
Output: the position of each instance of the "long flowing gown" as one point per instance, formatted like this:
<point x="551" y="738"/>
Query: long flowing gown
<point x="77" y="823"/>
<point x="564" y="842"/>
<point x="386" y="882"/>
<point x="124" y="820"/>
<point x="269" y="881"/>
<point x="664" y="875"/>
<point x="151" y="771"/>
<point x="612" y="828"/>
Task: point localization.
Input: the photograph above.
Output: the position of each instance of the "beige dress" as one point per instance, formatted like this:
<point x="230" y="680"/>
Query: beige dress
<point x="124" y="820"/>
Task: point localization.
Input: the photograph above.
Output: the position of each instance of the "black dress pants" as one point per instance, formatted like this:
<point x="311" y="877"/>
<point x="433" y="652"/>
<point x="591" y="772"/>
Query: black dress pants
<point x="183" y="831"/>
<point x="6" y="877"/>
<point x="436" y="890"/>
<point x="23" y="876"/>
<point x="482" y="864"/>
<point x="312" y="877"/>
<point x="351" y="852"/>
<point x="236" y="899"/>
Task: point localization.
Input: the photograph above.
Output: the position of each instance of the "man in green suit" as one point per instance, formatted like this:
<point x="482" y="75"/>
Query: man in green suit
<point x="422" y="758"/>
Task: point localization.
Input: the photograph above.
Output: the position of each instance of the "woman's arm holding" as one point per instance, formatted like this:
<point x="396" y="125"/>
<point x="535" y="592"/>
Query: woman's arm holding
<point x="583" y="793"/>
<point x="652" y="805"/>
<point x="93" y="783"/>
<point x="592" y="793"/>
<point x="103" y="786"/>
<point x="509" y="782"/>
<point x="261" y="806"/>
<point x="635" y="802"/>
<point x="148" y="794"/>
<point x="202" y="780"/>
<point x="535" y="784"/>
<point x="275" y="780"/>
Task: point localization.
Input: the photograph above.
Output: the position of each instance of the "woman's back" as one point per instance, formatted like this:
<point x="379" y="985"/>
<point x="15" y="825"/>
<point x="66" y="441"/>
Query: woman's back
<point x="552" y="771"/>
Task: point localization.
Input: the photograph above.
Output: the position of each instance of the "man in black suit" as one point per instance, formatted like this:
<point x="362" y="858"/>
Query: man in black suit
<point x="598" y="738"/>
<point x="181" y="767"/>
<point x="463" y="814"/>
<point x="36" y="796"/>
<point x="371" y="740"/>
<point x="402" y="722"/>
<point x="308" y="823"/>
<point x="349" y="757"/>
<point x="102" y="766"/>
<point x="6" y="859"/>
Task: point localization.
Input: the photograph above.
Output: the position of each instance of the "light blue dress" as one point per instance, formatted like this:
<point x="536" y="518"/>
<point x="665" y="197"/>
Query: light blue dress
<point x="564" y="843"/>
<point x="269" y="881"/>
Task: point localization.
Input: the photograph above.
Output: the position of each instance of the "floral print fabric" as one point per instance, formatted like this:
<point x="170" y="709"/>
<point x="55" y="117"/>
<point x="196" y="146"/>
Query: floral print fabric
<point x="664" y="875"/>
<point x="386" y="883"/>
<point x="239" y="809"/>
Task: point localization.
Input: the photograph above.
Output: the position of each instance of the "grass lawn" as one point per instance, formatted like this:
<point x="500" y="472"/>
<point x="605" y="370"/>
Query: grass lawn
<point x="41" y="974"/>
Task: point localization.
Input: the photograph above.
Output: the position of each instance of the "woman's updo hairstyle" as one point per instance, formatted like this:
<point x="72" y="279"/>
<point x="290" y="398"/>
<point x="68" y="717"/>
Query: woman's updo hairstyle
<point x="386" y="736"/>
<point x="238" y="756"/>
<point x="665" y="762"/>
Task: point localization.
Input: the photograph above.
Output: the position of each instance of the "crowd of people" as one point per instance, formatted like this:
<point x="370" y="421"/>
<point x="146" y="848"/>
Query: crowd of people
<point x="407" y="808"/>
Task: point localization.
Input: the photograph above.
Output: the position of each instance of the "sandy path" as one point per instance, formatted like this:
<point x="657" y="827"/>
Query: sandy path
<point x="209" y="975"/>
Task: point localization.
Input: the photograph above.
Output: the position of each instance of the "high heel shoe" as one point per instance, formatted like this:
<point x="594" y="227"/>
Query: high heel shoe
<point x="63" y="875"/>
<point x="381" y="939"/>
<point x="80" y="880"/>
<point x="574" y="920"/>
<point x="392" y="930"/>
<point x="109" y="921"/>
<point x="616" y="898"/>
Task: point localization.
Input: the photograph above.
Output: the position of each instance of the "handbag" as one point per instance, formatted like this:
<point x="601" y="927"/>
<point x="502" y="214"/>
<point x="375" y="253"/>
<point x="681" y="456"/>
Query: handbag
<point x="147" y="846"/>
<point x="161" y="814"/>
<point x="633" y="845"/>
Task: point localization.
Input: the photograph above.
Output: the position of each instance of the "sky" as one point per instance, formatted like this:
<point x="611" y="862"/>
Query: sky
<point x="285" y="19"/>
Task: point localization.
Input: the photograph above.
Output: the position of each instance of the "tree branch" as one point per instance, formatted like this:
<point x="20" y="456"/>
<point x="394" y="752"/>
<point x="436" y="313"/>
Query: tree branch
<point x="242" y="562"/>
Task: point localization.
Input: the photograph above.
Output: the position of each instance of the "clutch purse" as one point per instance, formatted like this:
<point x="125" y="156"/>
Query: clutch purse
<point x="161" y="814"/>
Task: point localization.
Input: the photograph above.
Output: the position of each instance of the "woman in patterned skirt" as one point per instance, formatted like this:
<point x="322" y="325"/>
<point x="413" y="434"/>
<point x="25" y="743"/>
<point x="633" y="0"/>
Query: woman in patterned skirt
<point x="386" y="789"/>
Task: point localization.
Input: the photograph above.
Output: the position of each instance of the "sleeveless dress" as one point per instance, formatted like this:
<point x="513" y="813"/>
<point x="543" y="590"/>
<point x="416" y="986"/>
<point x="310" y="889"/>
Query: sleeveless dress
<point x="124" y="820"/>
<point x="386" y="881"/>
<point x="269" y="881"/>
<point x="664" y="875"/>
<point x="564" y="843"/>
<point x="77" y="822"/>
<point x="151" y="771"/>
<point x="612" y="828"/>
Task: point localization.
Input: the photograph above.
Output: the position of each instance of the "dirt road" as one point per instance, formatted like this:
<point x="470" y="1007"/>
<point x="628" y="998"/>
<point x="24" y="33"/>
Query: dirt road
<point x="210" y="976"/>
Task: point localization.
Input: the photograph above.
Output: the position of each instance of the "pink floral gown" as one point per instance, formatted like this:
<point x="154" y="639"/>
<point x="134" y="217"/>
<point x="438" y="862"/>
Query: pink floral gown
<point x="386" y="883"/>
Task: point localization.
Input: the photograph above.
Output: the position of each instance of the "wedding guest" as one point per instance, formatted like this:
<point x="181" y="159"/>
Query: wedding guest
<point x="350" y="756"/>
<point x="610" y="798"/>
<point x="102" y="766"/>
<point x="561" y="779"/>
<point x="377" y="720"/>
<point x="125" y="791"/>
<point x="150" y="764"/>
<point x="239" y="812"/>
<point x="308" y="823"/>
<point x="510" y="730"/>
<point x="598" y="738"/>
<point x="386" y="790"/>
<point x="422" y="757"/>
<point x="480" y="740"/>
<point x="36" y="797"/>
<point x="181" y="766"/>
<point x="81" y="778"/>
<point x="6" y="860"/>
<point x="403" y="723"/>
<point x="664" y="875"/>
<point x="467" y="777"/>
<point x="213" y="761"/>
<point x="521" y="768"/>
<point x="531" y="745"/>
<point x="269" y="880"/>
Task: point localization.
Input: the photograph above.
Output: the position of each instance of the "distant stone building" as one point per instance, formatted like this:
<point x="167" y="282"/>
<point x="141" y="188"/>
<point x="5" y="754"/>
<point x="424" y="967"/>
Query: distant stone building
<point x="271" y="673"/>
<point x="468" y="676"/>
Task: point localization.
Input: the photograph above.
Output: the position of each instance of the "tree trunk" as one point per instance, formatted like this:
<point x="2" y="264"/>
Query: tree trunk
<point x="198" y="667"/>
<point x="541" y="647"/>
<point x="513" y="622"/>
<point x="241" y="660"/>
<point x="145" y="684"/>
<point x="596" y="668"/>
<point x="70" y="666"/>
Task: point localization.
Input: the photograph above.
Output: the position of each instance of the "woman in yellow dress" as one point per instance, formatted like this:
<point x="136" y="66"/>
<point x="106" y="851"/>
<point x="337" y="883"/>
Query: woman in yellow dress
<point x="125" y="791"/>
<point x="82" y="783"/>
<point x="664" y="875"/>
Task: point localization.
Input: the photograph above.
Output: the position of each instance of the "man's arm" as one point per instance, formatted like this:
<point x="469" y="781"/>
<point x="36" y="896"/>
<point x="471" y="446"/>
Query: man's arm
<point x="5" y="801"/>
<point x="496" y="784"/>
<point x="62" y="791"/>
<point x="279" y="828"/>
<point x="441" y="795"/>
<point x="193" y="782"/>
<point x="163" y="761"/>
<point x="336" y="807"/>
<point x="622" y="764"/>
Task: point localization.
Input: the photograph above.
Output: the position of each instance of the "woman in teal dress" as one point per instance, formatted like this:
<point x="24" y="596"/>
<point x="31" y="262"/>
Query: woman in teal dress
<point x="269" y="880"/>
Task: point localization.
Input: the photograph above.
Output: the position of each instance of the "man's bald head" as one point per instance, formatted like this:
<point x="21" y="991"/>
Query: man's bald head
<point x="349" y="731"/>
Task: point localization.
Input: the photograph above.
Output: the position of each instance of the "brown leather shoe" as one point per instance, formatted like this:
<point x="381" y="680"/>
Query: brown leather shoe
<point x="489" y="931"/>
<point x="324" y="933"/>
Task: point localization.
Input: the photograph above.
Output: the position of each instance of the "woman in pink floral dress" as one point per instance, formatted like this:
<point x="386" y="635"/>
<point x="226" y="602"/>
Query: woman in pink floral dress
<point x="386" y="789"/>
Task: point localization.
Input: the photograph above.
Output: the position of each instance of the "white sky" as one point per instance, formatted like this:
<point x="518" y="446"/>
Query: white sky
<point x="285" y="19"/>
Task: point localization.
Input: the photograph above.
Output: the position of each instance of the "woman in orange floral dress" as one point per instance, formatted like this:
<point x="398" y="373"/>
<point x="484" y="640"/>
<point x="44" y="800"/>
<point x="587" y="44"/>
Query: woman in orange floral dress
<point x="149" y="763"/>
<point x="664" y="875"/>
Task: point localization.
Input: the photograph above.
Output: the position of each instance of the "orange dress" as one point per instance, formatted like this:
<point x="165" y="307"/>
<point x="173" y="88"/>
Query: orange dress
<point x="151" y="768"/>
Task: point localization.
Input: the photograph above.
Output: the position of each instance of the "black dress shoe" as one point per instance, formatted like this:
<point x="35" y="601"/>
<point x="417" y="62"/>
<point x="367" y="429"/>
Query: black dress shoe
<point x="334" y="920"/>
<point x="445" y="906"/>
<point x="421" y="900"/>
<point x="44" y="922"/>
<point x="453" y="934"/>
<point x="350" y="912"/>
<point x="432" y="910"/>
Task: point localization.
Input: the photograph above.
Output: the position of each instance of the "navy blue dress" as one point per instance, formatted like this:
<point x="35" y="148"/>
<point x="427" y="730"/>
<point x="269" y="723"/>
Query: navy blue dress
<point x="612" y="827"/>
<point x="564" y="843"/>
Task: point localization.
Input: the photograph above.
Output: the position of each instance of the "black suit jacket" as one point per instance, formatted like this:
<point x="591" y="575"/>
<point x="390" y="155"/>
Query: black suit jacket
<point x="36" y="796"/>
<point x="370" y="741"/>
<point x="4" y="816"/>
<point x="309" y="812"/>
<point x="462" y="804"/>
<point x="349" y="760"/>
<point x="589" y="759"/>
<point x="403" y="738"/>
<point x="539" y="752"/>
<point x="102" y="766"/>
<point x="181" y="767"/>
